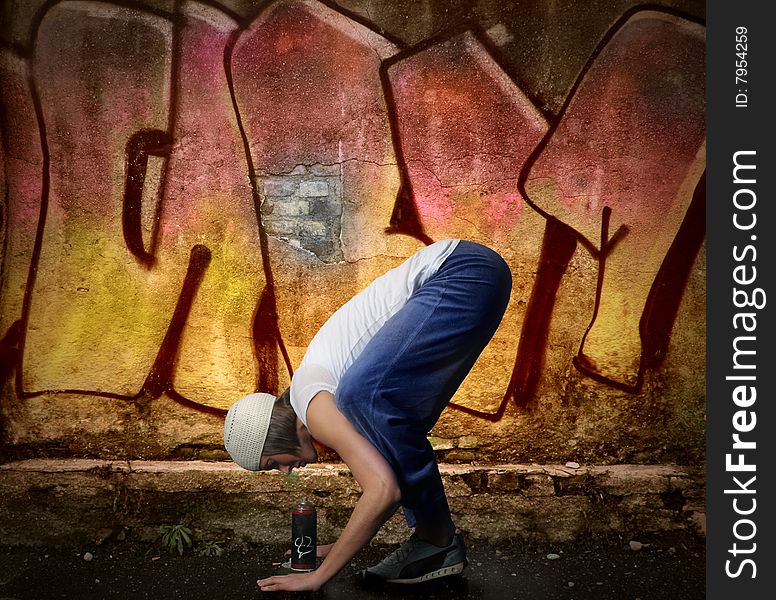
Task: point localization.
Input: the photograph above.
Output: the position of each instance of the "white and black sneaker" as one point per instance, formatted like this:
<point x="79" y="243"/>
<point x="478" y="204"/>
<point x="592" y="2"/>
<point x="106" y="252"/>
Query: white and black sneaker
<point x="416" y="561"/>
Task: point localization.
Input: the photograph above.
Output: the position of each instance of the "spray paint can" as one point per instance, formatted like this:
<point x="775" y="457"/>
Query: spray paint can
<point x="304" y="526"/>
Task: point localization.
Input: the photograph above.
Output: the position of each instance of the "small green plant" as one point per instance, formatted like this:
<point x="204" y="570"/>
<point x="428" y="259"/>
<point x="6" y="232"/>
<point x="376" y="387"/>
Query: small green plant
<point x="210" y="549"/>
<point x="175" y="537"/>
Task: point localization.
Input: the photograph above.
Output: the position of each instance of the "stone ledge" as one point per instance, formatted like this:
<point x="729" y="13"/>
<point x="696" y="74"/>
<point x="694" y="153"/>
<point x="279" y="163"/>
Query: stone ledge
<point x="64" y="502"/>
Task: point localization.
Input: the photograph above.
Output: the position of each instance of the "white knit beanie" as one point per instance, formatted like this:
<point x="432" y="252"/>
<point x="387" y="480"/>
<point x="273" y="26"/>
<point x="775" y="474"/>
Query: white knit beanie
<point x="245" y="429"/>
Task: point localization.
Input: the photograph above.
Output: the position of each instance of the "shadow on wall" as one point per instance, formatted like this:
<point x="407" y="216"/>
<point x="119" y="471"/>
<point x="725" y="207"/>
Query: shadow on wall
<point x="173" y="180"/>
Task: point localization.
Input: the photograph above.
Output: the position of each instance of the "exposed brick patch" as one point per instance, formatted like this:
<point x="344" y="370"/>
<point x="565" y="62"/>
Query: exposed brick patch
<point x="304" y="208"/>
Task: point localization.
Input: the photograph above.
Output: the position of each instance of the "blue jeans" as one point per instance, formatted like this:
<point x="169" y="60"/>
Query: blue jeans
<point x="396" y="389"/>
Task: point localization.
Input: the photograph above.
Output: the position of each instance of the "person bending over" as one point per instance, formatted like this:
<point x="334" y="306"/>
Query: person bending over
<point x="371" y="385"/>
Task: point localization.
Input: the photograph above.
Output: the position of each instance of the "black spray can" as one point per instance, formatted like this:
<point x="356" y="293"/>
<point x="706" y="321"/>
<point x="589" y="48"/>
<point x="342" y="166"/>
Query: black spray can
<point x="304" y="526"/>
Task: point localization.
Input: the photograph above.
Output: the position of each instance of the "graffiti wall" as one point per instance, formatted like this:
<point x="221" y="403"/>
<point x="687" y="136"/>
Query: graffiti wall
<point x="190" y="189"/>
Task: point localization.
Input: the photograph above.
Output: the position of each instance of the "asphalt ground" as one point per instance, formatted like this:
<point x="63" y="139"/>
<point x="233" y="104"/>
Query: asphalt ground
<point x="668" y="566"/>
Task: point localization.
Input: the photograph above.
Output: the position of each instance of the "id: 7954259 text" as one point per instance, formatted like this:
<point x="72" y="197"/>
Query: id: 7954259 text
<point x="742" y="71"/>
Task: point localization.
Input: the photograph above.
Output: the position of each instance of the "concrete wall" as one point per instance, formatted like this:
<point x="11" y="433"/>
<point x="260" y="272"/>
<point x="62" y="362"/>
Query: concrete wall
<point x="71" y="502"/>
<point x="191" y="188"/>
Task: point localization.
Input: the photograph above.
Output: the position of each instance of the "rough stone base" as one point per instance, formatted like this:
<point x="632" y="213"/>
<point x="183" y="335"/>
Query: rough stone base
<point x="75" y="502"/>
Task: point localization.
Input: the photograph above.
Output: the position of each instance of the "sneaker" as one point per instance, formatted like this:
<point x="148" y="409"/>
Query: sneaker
<point x="416" y="561"/>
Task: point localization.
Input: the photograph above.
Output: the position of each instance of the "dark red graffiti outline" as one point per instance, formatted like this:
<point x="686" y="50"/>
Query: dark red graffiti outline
<point x="141" y="145"/>
<point x="266" y="332"/>
<point x="664" y="296"/>
<point x="560" y="243"/>
<point x="405" y="219"/>
<point x="558" y="246"/>
<point x="160" y="377"/>
<point x="669" y="284"/>
<point x="266" y="329"/>
<point x="555" y="253"/>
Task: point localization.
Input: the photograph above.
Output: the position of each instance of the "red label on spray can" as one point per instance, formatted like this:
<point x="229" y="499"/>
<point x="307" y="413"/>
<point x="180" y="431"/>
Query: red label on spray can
<point x="304" y="526"/>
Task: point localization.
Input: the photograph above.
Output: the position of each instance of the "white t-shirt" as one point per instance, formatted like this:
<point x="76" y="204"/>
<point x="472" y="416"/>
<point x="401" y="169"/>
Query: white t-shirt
<point x="345" y="335"/>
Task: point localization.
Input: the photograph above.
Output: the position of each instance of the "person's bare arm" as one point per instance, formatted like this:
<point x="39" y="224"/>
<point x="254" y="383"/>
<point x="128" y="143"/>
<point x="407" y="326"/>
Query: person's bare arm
<point x="379" y="499"/>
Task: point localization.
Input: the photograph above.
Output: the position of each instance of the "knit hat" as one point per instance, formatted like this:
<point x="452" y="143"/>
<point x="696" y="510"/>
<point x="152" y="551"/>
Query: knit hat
<point x="245" y="429"/>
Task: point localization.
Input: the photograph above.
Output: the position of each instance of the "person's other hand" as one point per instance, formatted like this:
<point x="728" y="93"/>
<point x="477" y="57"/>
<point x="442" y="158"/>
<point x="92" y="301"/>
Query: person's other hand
<point x="296" y="582"/>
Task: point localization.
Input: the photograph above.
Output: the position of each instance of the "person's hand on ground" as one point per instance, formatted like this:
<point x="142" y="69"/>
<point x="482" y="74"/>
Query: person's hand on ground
<point x="296" y="582"/>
